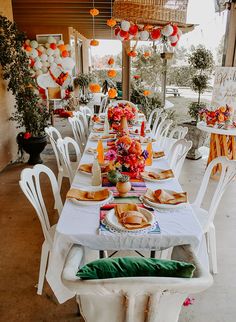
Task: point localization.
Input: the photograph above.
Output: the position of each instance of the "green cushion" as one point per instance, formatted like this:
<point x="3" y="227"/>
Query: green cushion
<point x="134" y="266"/>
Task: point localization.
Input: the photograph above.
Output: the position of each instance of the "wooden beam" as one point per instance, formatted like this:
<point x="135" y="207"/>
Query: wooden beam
<point x="125" y="70"/>
<point x="229" y="56"/>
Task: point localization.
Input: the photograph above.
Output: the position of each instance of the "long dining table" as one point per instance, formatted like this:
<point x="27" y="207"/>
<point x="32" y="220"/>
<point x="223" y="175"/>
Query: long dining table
<point x="80" y="224"/>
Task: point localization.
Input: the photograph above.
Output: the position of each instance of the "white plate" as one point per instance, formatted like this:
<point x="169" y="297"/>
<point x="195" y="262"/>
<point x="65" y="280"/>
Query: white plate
<point x="160" y="158"/>
<point x="164" y="206"/>
<point x="98" y="137"/>
<point x="156" y="170"/>
<point x="90" y="203"/>
<point x="112" y="220"/>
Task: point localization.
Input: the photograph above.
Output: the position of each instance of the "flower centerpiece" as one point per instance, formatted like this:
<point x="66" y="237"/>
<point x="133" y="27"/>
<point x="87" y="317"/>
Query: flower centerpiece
<point x="127" y="156"/>
<point x="116" y="113"/>
<point x="222" y="116"/>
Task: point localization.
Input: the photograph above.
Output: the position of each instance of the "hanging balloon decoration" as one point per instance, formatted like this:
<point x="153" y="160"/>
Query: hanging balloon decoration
<point x="168" y="34"/>
<point x="94" y="12"/>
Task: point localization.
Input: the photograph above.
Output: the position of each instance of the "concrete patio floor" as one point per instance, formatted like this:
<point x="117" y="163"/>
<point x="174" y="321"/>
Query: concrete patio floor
<point x="21" y="240"/>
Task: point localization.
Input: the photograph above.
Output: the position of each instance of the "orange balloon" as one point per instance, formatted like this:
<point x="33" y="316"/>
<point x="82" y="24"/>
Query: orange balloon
<point x="112" y="93"/>
<point x="62" y="48"/>
<point x="95" y="88"/>
<point x="111" y="73"/>
<point x="28" y="48"/>
<point x="146" y="93"/>
<point x="65" y="53"/>
<point x="111" y="22"/>
<point x="94" y="12"/>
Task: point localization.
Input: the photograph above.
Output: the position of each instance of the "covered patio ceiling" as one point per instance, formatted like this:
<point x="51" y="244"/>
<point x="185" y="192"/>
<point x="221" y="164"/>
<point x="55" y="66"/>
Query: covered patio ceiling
<point x="66" y="13"/>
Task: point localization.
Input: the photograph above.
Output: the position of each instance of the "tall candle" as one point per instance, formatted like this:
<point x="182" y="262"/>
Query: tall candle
<point x="150" y="153"/>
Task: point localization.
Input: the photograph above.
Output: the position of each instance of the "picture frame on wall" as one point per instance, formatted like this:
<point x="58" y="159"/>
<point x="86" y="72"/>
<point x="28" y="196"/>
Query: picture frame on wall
<point x="43" y="38"/>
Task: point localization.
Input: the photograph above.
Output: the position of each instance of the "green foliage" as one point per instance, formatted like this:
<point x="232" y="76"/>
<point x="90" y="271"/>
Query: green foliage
<point x="30" y="112"/>
<point x="194" y="108"/>
<point x="145" y="103"/>
<point x="180" y="75"/>
<point x="199" y="83"/>
<point x="124" y="178"/>
<point x="82" y="80"/>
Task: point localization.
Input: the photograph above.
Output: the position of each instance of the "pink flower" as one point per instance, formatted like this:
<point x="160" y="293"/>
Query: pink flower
<point x="188" y="301"/>
<point x="111" y="155"/>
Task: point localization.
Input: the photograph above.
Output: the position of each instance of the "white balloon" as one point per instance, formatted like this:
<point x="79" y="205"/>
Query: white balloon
<point x="38" y="65"/>
<point x="125" y="25"/>
<point x="44" y="57"/>
<point x="46" y="64"/>
<point x="60" y="42"/>
<point x="56" y="52"/>
<point x="179" y="32"/>
<point x="50" y="51"/>
<point x="53" y="65"/>
<point x="58" y="60"/>
<point x="38" y="72"/>
<point x="173" y="39"/>
<point x="68" y="63"/>
<point x="47" y="45"/>
<point x="51" y="40"/>
<point x="42" y="49"/>
<point x="167" y="30"/>
<point x="44" y="69"/>
<point x="27" y="42"/>
<point x="34" y="44"/>
<point x="50" y="59"/>
<point x="144" y="35"/>
<point x="33" y="53"/>
<point x="119" y="37"/>
<point x="68" y="48"/>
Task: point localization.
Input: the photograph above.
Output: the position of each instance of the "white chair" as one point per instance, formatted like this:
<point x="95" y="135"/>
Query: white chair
<point x="83" y="117"/>
<point x="177" y="155"/>
<point x="163" y="131"/>
<point x="177" y="133"/>
<point x="63" y="147"/>
<point x="30" y="185"/>
<point x="135" y="299"/>
<point x="206" y="217"/>
<point x="86" y="110"/>
<point x="103" y="104"/>
<point x="156" y="112"/>
<point x="158" y="121"/>
<point x="78" y="131"/>
<point x="54" y="135"/>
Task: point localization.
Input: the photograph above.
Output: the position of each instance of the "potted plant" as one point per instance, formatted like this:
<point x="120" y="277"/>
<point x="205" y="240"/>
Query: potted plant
<point x="201" y="60"/>
<point x="31" y="113"/>
<point x="123" y="185"/>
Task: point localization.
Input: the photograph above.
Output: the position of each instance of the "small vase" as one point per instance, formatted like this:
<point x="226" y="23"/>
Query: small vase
<point x="123" y="188"/>
<point x="124" y="125"/>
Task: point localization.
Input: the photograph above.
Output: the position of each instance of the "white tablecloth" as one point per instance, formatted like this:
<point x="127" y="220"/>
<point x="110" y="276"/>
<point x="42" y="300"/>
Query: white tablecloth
<point x="79" y="225"/>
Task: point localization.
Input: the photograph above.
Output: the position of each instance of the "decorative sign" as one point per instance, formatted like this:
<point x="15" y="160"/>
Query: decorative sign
<point x="224" y="90"/>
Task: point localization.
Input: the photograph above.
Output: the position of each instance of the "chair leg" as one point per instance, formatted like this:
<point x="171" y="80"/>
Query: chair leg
<point x="43" y="265"/>
<point x="59" y="180"/>
<point x="212" y="244"/>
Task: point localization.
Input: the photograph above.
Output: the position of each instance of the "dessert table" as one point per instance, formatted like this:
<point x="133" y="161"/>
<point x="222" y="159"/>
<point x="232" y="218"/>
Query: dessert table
<point x="79" y="224"/>
<point x="222" y="143"/>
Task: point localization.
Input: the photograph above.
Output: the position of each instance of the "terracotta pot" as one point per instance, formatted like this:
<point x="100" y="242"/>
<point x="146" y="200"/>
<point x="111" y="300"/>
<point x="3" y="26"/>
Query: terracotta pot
<point x="123" y="188"/>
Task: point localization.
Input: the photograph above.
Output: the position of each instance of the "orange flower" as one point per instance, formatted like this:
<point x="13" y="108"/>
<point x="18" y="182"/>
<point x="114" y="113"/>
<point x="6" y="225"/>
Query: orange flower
<point x="94" y="12"/>
<point x="125" y="139"/>
<point x="94" y="42"/>
<point x="221" y="117"/>
<point x="95" y="88"/>
<point x="222" y="109"/>
<point x="135" y="148"/>
<point x="111" y="61"/>
<point x="112" y="93"/>
<point x="132" y="53"/>
<point x="111" y="22"/>
<point x="146" y="92"/>
<point x="111" y="73"/>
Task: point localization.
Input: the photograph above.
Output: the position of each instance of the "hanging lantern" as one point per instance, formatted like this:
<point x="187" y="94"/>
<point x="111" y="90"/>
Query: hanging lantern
<point x="111" y="73"/>
<point x="111" y="22"/>
<point x="112" y="93"/>
<point x="94" y="42"/>
<point x="94" y="12"/>
<point x="111" y="61"/>
<point x="94" y="88"/>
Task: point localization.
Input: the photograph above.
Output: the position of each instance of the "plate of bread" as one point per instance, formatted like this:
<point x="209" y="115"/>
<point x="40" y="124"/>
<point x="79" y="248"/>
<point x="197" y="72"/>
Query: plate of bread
<point x="165" y="199"/>
<point x="89" y="196"/>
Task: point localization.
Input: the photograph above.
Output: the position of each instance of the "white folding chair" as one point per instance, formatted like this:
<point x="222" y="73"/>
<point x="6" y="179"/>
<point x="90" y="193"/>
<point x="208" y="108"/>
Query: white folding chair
<point x="177" y="133"/>
<point x="135" y="299"/>
<point x="156" y="112"/>
<point x="158" y="122"/>
<point x="206" y="217"/>
<point x="78" y="131"/>
<point x="177" y="155"/>
<point x="63" y="146"/>
<point x="86" y="110"/>
<point x="30" y="185"/>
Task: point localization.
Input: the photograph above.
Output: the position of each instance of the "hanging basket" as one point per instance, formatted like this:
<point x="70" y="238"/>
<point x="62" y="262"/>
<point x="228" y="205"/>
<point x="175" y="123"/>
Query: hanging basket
<point x="155" y="12"/>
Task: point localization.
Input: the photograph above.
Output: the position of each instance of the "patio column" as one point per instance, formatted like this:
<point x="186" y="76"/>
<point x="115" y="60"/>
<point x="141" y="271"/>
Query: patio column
<point x="125" y="70"/>
<point x="229" y="58"/>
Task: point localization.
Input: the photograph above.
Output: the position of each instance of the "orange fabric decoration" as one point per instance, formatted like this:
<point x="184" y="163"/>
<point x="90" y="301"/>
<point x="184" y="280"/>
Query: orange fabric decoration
<point x="111" y="61"/>
<point x="65" y="53"/>
<point x="146" y="93"/>
<point x="94" y="42"/>
<point x="94" y="12"/>
<point x="95" y="88"/>
<point x="111" y="22"/>
<point x="111" y="73"/>
<point x="112" y="93"/>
